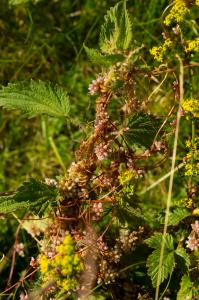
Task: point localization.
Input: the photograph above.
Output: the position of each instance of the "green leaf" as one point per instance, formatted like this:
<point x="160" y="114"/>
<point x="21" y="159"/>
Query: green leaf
<point x="178" y="215"/>
<point x="175" y="216"/>
<point x="153" y="260"/>
<point x="166" y="268"/>
<point x="116" y="32"/>
<point x="33" y="194"/>
<point x="18" y="2"/>
<point x="155" y="241"/>
<point x="131" y="216"/>
<point x="180" y="251"/>
<point x="9" y="205"/>
<point x="96" y="57"/>
<point x="186" y="287"/>
<point x="35" y="98"/>
<point x="142" y="129"/>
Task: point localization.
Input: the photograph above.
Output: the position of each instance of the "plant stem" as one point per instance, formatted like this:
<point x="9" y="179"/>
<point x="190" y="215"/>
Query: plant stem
<point x="56" y="152"/>
<point x="181" y="83"/>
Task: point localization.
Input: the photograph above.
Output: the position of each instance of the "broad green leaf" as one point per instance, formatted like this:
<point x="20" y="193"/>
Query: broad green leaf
<point x="155" y="241"/>
<point x="180" y="251"/>
<point x="96" y="57"/>
<point x="186" y="287"/>
<point x="34" y="195"/>
<point x="176" y="215"/>
<point x="35" y="98"/>
<point x="131" y="216"/>
<point x="18" y="2"/>
<point x="116" y="32"/>
<point x="166" y="268"/>
<point x="142" y="129"/>
<point x="168" y="262"/>
<point x="10" y="205"/>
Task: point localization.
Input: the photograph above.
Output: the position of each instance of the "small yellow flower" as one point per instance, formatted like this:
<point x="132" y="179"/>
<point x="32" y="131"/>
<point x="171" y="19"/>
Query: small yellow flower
<point x="191" y="105"/>
<point x="63" y="267"/>
<point x="126" y="177"/>
<point x="158" y="52"/>
<point x="192" y="46"/>
<point x="196" y="211"/>
<point x="177" y="12"/>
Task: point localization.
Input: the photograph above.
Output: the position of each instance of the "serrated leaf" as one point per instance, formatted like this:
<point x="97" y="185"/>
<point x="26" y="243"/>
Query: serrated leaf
<point x="186" y="287"/>
<point x="167" y="267"/>
<point x="35" y="98"/>
<point x="130" y="215"/>
<point x="33" y="194"/>
<point x="180" y="251"/>
<point x="142" y="129"/>
<point x="176" y="216"/>
<point x="10" y="205"/>
<point x="96" y="57"/>
<point x="155" y="241"/>
<point x="168" y="262"/>
<point x="116" y="32"/>
<point x="18" y="2"/>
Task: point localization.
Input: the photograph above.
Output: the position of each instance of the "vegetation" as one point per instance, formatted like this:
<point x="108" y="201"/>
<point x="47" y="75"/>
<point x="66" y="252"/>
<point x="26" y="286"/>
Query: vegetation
<point x="99" y="188"/>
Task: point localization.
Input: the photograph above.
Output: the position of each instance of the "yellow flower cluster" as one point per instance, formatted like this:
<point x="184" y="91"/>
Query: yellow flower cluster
<point x="191" y="105"/>
<point x="192" y="165"/>
<point x="129" y="190"/>
<point x="197" y="2"/>
<point x="63" y="267"/>
<point x="177" y="12"/>
<point x="158" y="52"/>
<point x="191" y="169"/>
<point x="192" y="46"/>
<point x="187" y="202"/>
<point x="126" y="177"/>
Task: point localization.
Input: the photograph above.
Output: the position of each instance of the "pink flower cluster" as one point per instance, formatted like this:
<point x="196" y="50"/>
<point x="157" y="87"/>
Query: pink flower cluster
<point x="95" y="85"/>
<point x="193" y="239"/>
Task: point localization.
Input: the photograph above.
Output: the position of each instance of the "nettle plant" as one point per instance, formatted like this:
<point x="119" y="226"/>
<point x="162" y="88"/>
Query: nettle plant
<point x="98" y="240"/>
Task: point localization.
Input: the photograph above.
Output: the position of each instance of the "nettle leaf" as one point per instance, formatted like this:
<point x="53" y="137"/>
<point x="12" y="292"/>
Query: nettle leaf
<point x="33" y="194"/>
<point x="168" y="262"/>
<point x="18" y="2"/>
<point x="142" y="129"/>
<point x="35" y="98"/>
<point x="181" y="252"/>
<point x="96" y="57"/>
<point x="175" y="216"/>
<point x="186" y="289"/>
<point x="166" y="268"/>
<point x="116" y="32"/>
<point x="178" y="215"/>
<point x="8" y="205"/>
<point x="155" y="241"/>
<point x="131" y="216"/>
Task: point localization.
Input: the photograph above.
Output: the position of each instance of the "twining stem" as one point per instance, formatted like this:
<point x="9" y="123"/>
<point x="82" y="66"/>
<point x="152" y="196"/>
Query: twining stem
<point x="181" y="83"/>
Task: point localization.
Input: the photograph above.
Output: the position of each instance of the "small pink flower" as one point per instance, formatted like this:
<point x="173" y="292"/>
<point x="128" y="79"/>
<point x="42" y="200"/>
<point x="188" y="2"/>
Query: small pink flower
<point x="195" y="227"/>
<point x="192" y="243"/>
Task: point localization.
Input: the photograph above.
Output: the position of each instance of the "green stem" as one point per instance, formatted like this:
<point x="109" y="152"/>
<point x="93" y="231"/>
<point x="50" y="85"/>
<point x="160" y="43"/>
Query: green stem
<point x="56" y="152"/>
<point x="169" y="197"/>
